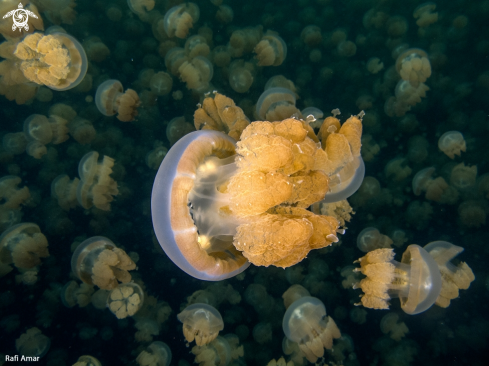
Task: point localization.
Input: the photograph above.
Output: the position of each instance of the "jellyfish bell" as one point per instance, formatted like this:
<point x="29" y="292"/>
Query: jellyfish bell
<point x="204" y="250"/>
<point x="305" y="323"/>
<point x="201" y="322"/>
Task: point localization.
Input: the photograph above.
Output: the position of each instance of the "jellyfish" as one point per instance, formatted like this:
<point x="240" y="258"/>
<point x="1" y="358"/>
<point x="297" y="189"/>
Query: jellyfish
<point x="271" y="50"/>
<point x="32" y="344"/>
<point x="96" y="187"/>
<point x="224" y="204"/>
<point x="23" y="245"/>
<point x="157" y="354"/>
<point x="201" y="322"/>
<point x="413" y="66"/>
<point x="416" y="280"/>
<point x="220" y="113"/>
<point x="306" y="324"/>
<point x="87" y="360"/>
<point x="390" y="325"/>
<point x="110" y="99"/>
<point x="196" y="73"/>
<point x="179" y="19"/>
<point x="97" y="261"/>
<point x="196" y="46"/>
<point x="452" y="143"/>
<point x="453" y="277"/>
<point x="424" y="14"/>
<point x="221" y="351"/>
<point x="125" y="299"/>
<point x="73" y="294"/>
<point x="370" y="239"/>
<point x="161" y="83"/>
<point x="64" y="191"/>
<point x="240" y="77"/>
<point x="57" y="60"/>
<point x="176" y="129"/>
<point x="276" y="104"/>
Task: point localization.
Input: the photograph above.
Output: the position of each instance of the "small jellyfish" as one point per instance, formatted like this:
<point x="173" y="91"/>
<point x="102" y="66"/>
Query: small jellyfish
<point x="97" y="261"/>
<point x="414" y="66"/>
<point x="32" y="344"/>
<point x="96" y="187"/>
<point x="57" y="60"/>
<point x="196" y="73"/>
<point x="453" y="277"/>
<point x="64" y="191"/>
<point x="201" y="322"/>
<point x="23" y="245"/>
<point x="220" y="113"/>
<point x="416" y="280"/>
<point x="424" y="14"/>
<point x="125" y="300"/>
<point x="241" y="76"/>
<point x="110" y="99"/>
<point x="87" y="360"/>
<point x="179" y="19"/>
<point x="452" y="143"/>
<point x="305" y="322"/>
<point x="276" y="104"/>
<point x="370" y="239"/>
<point x="157" y="354"/>
<point x="177" y="128"/>
<point x="161" y="83"/>
<point x="271" y="50"/>
<point x="390" y="325"/>
<point x="196" y="45"/>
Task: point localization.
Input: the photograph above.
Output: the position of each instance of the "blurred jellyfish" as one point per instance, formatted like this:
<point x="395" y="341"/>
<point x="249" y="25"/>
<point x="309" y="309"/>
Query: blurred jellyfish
<point x="32" y="344"/>
<point x="156" y="354"/>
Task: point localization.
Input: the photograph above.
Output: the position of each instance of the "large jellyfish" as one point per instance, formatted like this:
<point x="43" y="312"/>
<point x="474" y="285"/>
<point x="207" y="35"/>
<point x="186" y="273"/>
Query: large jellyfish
<point x="217" y="204"/>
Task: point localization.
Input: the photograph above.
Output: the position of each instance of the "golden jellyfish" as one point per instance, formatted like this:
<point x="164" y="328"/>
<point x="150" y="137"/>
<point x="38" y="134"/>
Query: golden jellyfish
<point x="224" y="14"/>
<point x="370" y="239"/>
<point x="179" y="19"/>
<point x="452" y="143"/>
<point x="110" y="99"/>
<point x="82" y="130"/>
<point x="424" y="14"/>
<point x="96" y="187"/>
<point x="176" y="129"/>
<point x="174" y="58"/>
<point x="220" y="56"/>
<point x="64" y="191"/>
<point x="416" y="280"/>
<point x="390" y="325"/>
<point x="220" y="113"/>
<point x="141" y="7"/>
<point x="374" y="65"/>
<point x="161" y="83"/>
<point x="454" y="278"/>
<point x="32" y="345"/>
<point x="240" y="76"/>
<point x="73" y="294"/>
<point x="311" y="35"/>
<point x="201" y="322"/>
<point x="220" y="352"/>
<point x="23" y="245"/>
<point x="156" y="156"/>
<point x="436" y="189"/>
<point x="196" y="45"/>
<point x="271" y="50"/>
<point x="413" y="66"/>
<point x="293" y="293"/>
<point x="97" y="261"/>
<point x="39" y="133"/>
<point x="57" y="60"/>
<point x="157" y="354"/>
<point x="14" y="143"/>
<point x="276" y="104"/>
<point x="125" y="300"/>
<point x="253" y="203"/>
<point x="9" y="11"/>
<point x="196" y="73"/>
<point x="244" y="40"/>
<point x="305" y="323"/>
<point x="463" y="177"/>
<point x="87" y="360"/>
<point x="12" y="197"/>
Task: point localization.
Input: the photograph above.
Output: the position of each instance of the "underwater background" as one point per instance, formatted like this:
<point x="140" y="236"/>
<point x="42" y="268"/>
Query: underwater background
<point x="329" y="66"/>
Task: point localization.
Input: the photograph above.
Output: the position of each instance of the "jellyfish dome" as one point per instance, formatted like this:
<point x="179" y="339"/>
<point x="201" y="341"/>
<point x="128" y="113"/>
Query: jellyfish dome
<point x="305" y="322"/>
